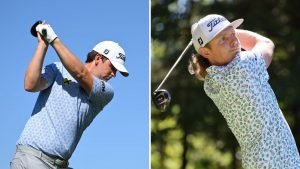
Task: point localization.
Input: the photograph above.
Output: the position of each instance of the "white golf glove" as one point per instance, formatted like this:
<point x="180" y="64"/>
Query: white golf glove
<point x="47" y="32"/>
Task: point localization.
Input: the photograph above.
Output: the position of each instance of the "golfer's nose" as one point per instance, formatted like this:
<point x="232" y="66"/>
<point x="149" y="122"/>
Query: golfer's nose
<point x="234" y="41"/>
<point x="114" y="73"/>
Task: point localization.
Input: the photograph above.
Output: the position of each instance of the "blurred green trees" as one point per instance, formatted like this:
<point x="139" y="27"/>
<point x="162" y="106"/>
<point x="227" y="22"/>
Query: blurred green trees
<point x="192" y="134"/>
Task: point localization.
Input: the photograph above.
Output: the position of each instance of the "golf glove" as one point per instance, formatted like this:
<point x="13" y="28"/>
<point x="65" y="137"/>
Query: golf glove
<point x="47" y="32"/>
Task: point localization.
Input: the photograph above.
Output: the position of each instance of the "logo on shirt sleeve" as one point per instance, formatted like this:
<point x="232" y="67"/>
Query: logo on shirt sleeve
<point x="67" y="81"/>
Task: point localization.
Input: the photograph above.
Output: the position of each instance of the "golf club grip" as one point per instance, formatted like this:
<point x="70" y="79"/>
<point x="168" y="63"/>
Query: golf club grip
<point x="177" y="61"/>
<point x="44" y="32"/>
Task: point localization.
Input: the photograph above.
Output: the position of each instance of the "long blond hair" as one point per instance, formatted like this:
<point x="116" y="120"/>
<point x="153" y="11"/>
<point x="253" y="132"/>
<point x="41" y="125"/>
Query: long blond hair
<point x="197" y="66"/>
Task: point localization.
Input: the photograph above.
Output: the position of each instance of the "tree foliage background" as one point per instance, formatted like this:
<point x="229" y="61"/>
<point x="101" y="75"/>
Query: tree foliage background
<point x="192" y="133"/>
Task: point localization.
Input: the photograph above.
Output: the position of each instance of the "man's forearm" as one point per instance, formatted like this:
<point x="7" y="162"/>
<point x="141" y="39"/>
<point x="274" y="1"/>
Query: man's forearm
<point x="74" y="66"/>
<point x="249" y="39"/>
<point x="32" y="78"/>
<point x="254" y="41"/>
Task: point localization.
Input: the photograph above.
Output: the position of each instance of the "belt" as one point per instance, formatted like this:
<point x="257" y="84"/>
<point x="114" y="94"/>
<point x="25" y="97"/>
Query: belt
<point x="59" y="162"/>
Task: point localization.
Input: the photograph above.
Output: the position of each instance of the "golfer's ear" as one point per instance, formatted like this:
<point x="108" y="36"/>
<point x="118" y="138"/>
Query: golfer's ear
<point x="97" y="58"/>
<point x="203" y="51"/>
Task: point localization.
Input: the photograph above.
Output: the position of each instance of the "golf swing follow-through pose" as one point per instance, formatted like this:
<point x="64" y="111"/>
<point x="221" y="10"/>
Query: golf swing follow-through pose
<point x="237" y="82"/>
<point x="71" y="96"/>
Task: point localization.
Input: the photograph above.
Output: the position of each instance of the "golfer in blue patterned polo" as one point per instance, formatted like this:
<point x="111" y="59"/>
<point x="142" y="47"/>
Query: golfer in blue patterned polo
<point x="237" y="82"/>
<point x="71" y="96"/>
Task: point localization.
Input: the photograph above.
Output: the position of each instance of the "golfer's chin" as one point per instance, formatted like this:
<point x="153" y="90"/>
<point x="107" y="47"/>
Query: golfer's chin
<point x="232" y="56"/>
<point x="235" y="51"/>
<point x="103" y="78"/>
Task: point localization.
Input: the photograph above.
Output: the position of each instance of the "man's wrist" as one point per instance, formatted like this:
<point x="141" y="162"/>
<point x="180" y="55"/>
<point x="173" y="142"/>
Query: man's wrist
<point x="43" y="45"/>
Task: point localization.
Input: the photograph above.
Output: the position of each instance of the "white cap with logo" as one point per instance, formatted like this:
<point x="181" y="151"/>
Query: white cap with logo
<point x="208" y="27"/>
<point x="115" y="53"/>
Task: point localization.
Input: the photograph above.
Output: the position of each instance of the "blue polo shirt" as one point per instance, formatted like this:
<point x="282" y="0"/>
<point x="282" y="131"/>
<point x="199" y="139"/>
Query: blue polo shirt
<point x="62" y="112"/>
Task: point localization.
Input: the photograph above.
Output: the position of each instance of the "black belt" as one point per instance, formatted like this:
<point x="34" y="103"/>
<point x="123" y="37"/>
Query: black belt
<point x="52" y="159"/>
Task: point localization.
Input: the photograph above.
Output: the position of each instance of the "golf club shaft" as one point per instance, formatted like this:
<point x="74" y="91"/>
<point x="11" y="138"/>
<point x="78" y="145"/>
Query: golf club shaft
<point x="177" y="61"/>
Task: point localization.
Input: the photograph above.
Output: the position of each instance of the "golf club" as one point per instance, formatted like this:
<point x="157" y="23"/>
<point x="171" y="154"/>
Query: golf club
<point x="33" y="29"/>
<point x="161" y="97"/>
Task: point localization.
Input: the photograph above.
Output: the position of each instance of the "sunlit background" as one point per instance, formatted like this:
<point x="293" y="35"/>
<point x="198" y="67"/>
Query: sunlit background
<point x="118" y="138"/>
<point x="192" y="133"/>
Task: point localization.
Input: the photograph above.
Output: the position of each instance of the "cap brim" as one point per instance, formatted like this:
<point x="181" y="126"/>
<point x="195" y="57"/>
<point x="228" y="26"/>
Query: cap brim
<point x="237" y="23"/>
<point x="121" y="68"/>
<point x="125" y="74"/>
<point x="234" y="24"/>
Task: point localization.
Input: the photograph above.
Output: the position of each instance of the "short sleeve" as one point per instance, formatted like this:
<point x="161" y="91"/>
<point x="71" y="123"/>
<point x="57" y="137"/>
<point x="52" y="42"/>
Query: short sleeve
<point x="257" y="58"/>
<point x="49" y="73"/>
<point x="101" y="93"/>
<point x="258" y="65"/>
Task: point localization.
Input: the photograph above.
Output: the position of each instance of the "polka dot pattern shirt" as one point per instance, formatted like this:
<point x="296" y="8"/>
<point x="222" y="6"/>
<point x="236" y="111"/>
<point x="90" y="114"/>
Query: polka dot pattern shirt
<point x="62" y="112"/>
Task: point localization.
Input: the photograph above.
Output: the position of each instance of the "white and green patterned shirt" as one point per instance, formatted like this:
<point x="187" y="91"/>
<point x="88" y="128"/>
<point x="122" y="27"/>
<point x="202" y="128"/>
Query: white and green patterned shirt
<point x="243" y="95"/>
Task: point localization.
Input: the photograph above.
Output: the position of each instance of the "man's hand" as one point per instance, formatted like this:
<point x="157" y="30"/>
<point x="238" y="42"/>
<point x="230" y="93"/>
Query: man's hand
<point x="47" y="32"/>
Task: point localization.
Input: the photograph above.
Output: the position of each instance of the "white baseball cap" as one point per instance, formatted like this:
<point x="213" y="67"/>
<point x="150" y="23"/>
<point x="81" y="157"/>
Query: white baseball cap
<point x="208" y="27"/>
<point x="115" y="53"/>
